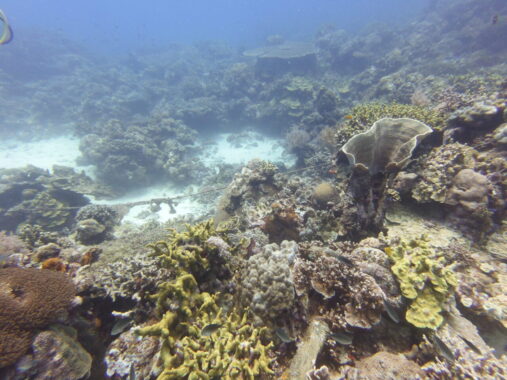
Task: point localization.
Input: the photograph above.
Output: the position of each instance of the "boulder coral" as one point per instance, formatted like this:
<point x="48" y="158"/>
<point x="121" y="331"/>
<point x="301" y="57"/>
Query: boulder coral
<point x="30" y="299"/>
<point x="267" y="288"/>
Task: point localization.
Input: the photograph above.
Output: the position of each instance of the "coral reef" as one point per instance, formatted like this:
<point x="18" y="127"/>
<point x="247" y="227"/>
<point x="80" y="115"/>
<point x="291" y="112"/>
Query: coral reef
<point x="343" y="295"/>
<point x="361" y="117"/>
<point x="266" y="286"/>
<point x="30" y="299"/>
<point x="33" y="196"/>
<point x="55" y="354"/>
<point x="424" y="278"/>
<point x="233" y="349"/>
<point x="129" y="156"/>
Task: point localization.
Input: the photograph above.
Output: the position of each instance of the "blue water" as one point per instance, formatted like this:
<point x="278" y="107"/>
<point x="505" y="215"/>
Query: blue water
<point x="118" y="26"/>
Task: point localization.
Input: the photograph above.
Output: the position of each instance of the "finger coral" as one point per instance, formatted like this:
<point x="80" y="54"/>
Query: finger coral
<point x="235" y="350"/>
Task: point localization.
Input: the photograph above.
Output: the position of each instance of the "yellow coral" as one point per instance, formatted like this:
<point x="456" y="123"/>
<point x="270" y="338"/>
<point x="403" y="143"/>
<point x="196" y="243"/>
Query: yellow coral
<point x="235" y="351"/>
<point x="424" y="278"/>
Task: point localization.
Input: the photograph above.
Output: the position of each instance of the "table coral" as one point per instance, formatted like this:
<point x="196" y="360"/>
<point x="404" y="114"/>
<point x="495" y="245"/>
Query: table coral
<point x="424" y="278"/>
<point x="362" y="116"/>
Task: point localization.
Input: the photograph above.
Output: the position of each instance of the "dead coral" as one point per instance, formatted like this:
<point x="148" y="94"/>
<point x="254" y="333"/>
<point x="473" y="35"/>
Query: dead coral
<point x="29" y="299"/>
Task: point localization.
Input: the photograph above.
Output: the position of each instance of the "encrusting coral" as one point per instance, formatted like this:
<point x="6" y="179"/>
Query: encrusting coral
<point x="233" y="348"/>
<point x="425" y="278"/>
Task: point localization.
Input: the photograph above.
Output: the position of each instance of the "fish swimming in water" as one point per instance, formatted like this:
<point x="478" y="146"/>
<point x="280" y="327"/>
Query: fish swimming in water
<point x="283" y="335"/>
<point x="342" y="337"/>
<point x="210" y="329"/>
<point x="7" y="33"/>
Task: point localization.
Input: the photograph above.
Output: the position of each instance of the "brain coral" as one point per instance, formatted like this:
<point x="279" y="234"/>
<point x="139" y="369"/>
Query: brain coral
<point x="29" y="299"/>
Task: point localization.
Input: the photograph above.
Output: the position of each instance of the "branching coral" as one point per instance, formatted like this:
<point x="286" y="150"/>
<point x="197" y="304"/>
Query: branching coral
<point x="424" y="278"/>
<point x="234" y="350"/>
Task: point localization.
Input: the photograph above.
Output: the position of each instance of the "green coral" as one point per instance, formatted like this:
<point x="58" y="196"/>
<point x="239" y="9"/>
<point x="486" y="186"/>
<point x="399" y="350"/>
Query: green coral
<point x="424" y="278"/>
<point x="363" y="116"/>
<point x="234" y="351"/>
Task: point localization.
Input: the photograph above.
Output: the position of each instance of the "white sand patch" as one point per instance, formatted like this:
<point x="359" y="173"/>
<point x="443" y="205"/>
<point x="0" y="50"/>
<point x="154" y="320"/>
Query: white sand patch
<point x="226" y="148"/>
<point x="243" y="147"/>
<point x="141" y="214"/>
<point x="63" y="150"/>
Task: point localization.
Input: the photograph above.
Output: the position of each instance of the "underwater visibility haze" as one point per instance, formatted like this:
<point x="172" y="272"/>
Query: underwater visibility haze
<point x="253" y="189"/>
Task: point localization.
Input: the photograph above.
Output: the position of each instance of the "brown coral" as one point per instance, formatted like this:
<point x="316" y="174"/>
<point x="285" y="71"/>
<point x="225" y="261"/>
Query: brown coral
<point x="29" y="299"/>
<point x="344" y="296"/>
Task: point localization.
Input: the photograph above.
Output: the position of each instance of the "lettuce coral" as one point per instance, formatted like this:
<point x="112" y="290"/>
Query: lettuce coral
<point x="424" y="278"/>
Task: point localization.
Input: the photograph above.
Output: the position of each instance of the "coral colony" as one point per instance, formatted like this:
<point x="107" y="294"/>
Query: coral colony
<point x="372" y="245"/>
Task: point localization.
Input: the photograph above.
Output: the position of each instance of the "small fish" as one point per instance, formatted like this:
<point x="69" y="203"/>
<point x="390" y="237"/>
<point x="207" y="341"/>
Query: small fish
<point x="132" y="372"/>
<point x="494" y="20"/>
<point x="210" y="329"/>
<point x="120" y="326"/>
<point x="443" y="349"/>
<point x="391" y="222"/>
<point x="472" y="346"/>
<point x="250" y="250"/>
<point x="283" y="336"/>
<point x="342" y="337"/>
<point x="391" y="312"/>
<point x="7" y="33"/>
<point x="348" y="117"/>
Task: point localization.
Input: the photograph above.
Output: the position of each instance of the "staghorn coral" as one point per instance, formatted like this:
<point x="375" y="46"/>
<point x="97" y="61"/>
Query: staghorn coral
<point x="343" y="295"/>
<point x="235" y="350"/>
<point x="29" y="299"/>
<point x="424" y="278"/>
<point x="480" y="363"/>
<point x="267" y="287"/>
